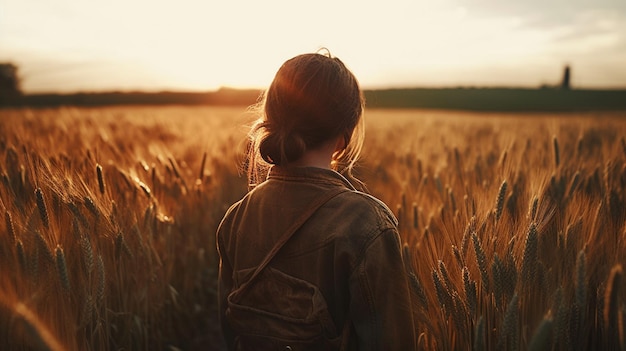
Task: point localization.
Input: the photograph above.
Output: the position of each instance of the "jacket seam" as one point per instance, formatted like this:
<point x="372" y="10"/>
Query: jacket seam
<point x="371" y="306"/>
<point x="360" y="271"/>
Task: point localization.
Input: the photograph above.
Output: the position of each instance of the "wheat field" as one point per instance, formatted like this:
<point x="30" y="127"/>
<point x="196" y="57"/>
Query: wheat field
<point x="514" y="225"/>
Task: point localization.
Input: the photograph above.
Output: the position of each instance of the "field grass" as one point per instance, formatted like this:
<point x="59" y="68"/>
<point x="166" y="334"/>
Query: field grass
<point x="514" y="225"/>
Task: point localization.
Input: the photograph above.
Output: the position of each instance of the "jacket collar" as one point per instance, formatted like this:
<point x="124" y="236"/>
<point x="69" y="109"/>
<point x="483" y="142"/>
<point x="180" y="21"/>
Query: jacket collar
<point x="309" y="174"/>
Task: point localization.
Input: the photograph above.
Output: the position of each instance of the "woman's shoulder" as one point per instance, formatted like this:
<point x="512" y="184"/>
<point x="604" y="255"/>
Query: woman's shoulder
<point x="368" y="207"/>
<point x="358" y="220"/>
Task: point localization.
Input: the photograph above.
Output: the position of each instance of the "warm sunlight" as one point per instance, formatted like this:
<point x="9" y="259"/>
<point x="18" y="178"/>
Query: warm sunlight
<point x="190" y="175"/>
<point x="73" y="45"/>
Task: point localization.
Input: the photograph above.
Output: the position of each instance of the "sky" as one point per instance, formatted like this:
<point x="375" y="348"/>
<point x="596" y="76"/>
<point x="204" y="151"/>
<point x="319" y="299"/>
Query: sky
<point x="201" y="45"/>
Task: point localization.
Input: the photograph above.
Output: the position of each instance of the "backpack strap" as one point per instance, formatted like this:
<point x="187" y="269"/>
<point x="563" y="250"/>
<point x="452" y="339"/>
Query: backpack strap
<point x="290" y="231"/>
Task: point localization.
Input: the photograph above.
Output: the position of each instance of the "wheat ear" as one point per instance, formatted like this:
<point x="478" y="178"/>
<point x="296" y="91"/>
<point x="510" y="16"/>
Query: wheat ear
<point x="62" y="268"/>
<point x="470" y="291"/>
<point x="100" y="176"/>
<point x="43" y="245"/>
<point x="415" y="217"/>
<point x="557" y="155"/>
<point x="43" y="211"/>
<point x="21" y="255"/>
<point x="87" y="252"/>
<point x="529" y="260"/>
<point x="510" y="326"/>
<point x="10" y="227"/>
<point x="101" y="279"/>
<point x="481" y="259"/>
<point x="500" y="199"/>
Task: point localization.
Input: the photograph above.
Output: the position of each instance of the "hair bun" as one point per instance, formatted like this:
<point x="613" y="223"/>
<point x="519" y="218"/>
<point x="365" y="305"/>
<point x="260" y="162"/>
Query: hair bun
<point x="281" y="148"/>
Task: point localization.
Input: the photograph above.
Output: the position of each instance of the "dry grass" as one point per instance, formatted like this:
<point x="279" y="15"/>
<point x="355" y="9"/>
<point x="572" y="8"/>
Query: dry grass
<point x="514" y="225"/>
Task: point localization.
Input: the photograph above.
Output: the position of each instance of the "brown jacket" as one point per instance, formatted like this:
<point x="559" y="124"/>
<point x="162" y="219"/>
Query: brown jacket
<point x="350" y="249"/>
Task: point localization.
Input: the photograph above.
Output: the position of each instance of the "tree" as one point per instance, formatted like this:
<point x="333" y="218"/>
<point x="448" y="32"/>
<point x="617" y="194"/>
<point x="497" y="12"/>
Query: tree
<point x="565" y="83"/>
<point x="9" y="84"/>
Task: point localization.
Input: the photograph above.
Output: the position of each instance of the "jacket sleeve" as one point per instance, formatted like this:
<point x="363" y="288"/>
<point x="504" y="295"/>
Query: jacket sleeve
<point x="380" y="306"/>
<point x="224" y="287"/>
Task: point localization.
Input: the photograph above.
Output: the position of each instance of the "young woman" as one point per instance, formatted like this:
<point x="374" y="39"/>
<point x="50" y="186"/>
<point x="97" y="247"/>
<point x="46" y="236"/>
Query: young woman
<point x="307" y="262"/>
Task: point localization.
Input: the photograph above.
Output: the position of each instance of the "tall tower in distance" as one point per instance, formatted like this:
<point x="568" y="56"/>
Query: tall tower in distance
<point x="565" y="83"/>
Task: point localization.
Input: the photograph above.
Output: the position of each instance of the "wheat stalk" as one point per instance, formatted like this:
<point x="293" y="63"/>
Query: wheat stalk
<point x="469" y="228"/>
<point x="500" y="199"/>
<point x="452" y="200"/>
<point x="529" y="260"/>
<point x="622" y="329"/>
<point x="533" y="209"/>
<point x="611" y="304"/>
<point x="418" y="289"/>
<point x="581" y="281"/>
<point x="10" y="227"/>
<point x="457" y="256"/>
<point x="101" y="279"/>
<point x="415" y="218"/>
<point x="445" y="276"/>
<point x="87" y="312"/>
<point x="574" y="184"/>
<point x="509" y="275"/>
<point x="470" y="291"/>
<point x="201" y="175"/>
<point x="542" y="337"/>
<point x="34" y="263"/>
<point x="174" y="168"/>
<point x="439" y="291"/>
<point x="443" y="295"/>
<point x="114" y="215"/>
<point x="100" y="176"/>
<point x="497" y="271"/>
<point x="509" y="335"/>
<point x="91" y="206"/>
<point x="557" y="156"/>
<point x="21" y="255"/>
<point x="561" y="323"/>
<point x="43" y="245"/>
<point x="145" y="189"/>
<point x="87" y="251"/>
<point x="43" y="211"/>
<point x="137" y="233"/>
<point x="120" y="245"/>
<point x="40" y="336"/>
<point x="479" y="336"/>
<point x="62" y="268"/>
<point x="460" y="314"/>
<point x="78" y="215"/>
<point x="481" y="259"/>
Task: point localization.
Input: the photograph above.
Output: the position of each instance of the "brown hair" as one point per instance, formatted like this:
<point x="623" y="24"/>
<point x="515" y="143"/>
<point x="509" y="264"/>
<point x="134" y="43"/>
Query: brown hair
<point x="312" y="99"/>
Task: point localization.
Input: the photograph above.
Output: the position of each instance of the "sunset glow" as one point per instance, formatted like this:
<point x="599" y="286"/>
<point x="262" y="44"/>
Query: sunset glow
<point x="70" y="45"/>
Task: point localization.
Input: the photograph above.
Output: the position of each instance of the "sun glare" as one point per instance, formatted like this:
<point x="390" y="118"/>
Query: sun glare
<point x="196" y="45"/>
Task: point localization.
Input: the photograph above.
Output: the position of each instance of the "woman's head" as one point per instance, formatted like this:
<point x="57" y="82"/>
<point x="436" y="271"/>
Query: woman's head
<point x="312" y="100"/>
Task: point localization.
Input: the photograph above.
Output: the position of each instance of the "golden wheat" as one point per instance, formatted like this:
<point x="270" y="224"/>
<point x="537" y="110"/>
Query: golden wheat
<point x="136" y="243"/>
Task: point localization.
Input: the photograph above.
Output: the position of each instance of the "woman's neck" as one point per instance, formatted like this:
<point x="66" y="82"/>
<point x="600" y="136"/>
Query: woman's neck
<point x="319" y="157"/>
<point x="312" y="159"/>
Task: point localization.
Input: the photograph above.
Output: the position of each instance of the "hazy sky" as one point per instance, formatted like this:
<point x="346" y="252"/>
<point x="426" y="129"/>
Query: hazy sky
<point x="71" y="45"/>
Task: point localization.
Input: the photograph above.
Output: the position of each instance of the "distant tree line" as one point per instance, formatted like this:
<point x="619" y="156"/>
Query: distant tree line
<point x="546" y="98"/>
